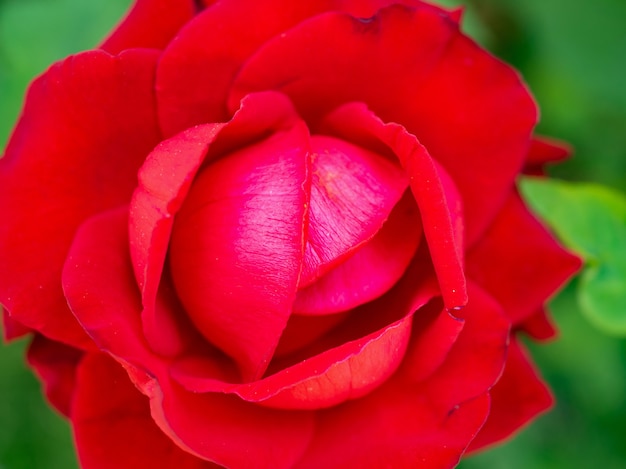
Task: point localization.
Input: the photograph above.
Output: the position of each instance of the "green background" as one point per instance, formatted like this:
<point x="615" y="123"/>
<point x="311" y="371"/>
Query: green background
<point x="573" y="55"/>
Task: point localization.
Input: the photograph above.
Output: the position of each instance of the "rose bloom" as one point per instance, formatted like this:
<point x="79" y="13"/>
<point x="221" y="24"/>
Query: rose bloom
<point x="279" y="234"/>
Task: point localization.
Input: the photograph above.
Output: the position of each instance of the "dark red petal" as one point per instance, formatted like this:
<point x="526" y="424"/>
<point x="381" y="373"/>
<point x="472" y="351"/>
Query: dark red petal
<point x="517" y="398"/>
<point x="151" y="24"/>
<point x="421" y="418"/>
<point x="436" y="332"/>
<point x="55" y="365"/>
<point x="303" y="331"/>
<point x="99" y="284"/>
<point x="372" y="270"/>
<point x="237" y="246"/>
<point x="100" y="287"/>
<point x="164" y="182"/>
<point x="436" y="195"/>
<point x="545" y="150"/>
<point x="394" y="427"/>
<point x="413" y="67"/>
<point x="112" y="423"/>
<point x="198" y="67"/>
<point x="475" y="362"/>
<point x="519" y="262"/>
<point x="88" y="123"/>
<point x="353" y="191"/>
<point x="11" y="328"/>
<point x="539" y="326"/>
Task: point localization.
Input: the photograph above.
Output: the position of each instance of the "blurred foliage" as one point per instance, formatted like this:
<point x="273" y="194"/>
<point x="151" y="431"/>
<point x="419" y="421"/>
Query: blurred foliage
<point x="572" y="53"/>
<point x="590" y="220"/>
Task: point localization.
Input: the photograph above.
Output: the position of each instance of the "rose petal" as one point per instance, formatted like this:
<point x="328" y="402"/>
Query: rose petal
<point x="150" y="24"/>
<point x="198" y="67"/>
<point x="394" y="427"/>
<point x="545" y="150"/>
<point x="436" y="195"/>
<point x="411" y="421"/>
<point x="11" y="328"/>
<point x="164" y="182"/>
<point x="371" y="270"/>
<point x="411" y="66"/>
<point x="436" y="331"/>
<point x="237" y="246"/>
<point x="517" y="397"/>
<point x="303" y="331"/>
<point x="55" y="365"/>
<point x="67" y="160"/>
<point x="113" y="426"/>
<point x="352" y="194"/>
<point x="538" y="326"/>
<point x="519" y="262"/>
<point x="98" y="281"/>
<point x="343" y="373"/>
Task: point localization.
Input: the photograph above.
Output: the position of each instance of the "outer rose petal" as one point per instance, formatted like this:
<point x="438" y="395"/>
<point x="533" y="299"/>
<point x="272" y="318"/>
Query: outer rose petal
<point x="416" y="68"/>
<point x="545" y="150"/>
<point x="65" y="161"/>
<point x="112" y="423"/>
<point x="199" y="65"/>
<point x="99" y="284"/>
<point x="12" y="329"/>
<point x="538" y="326"/>
<point x="426" y="414"/>
<point x="517" y="397"/>
<point x="519" y="262"/>
<point x="150" y="23"/>
<point x="55" y="365"/>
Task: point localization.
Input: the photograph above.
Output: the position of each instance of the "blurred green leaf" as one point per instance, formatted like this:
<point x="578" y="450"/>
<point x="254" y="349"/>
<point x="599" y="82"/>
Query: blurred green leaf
<point x="591" y="220"/>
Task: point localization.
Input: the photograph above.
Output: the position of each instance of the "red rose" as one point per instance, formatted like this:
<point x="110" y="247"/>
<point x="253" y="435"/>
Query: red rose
<point x="323" y="260"/>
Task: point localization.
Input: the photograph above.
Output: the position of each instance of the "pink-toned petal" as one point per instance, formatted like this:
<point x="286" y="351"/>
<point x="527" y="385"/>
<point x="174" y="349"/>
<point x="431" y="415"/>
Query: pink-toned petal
<point x="436" y="195"/>
<point x="413" y="67"/>
<point x="55" y="365"/>
<point x="199" y="66"/>
<point x="237" y="246"/>
<point x="347" y="372"/>
<point x="65" y="161"/>
<point x="112" y="423"/>
<point x="539" y="326"/>
<point x="519" y="262"/>
<point x="372" y="270"/>
<point x="353" y="191"/>
<point x="98" y="281"/>
<point x="545" y="150"/>
<point x="519" y="396"/>
<point x="164" y="182"/>
<point x="151" y="24"/>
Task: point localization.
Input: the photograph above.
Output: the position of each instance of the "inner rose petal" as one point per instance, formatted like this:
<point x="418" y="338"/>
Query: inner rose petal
<point x="237" y="244"/>
<point x="371" y="270"/>
<point x="353" y="191"/>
